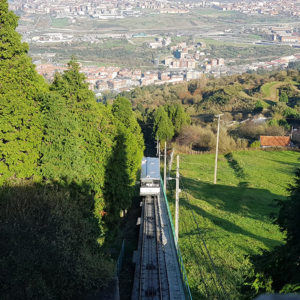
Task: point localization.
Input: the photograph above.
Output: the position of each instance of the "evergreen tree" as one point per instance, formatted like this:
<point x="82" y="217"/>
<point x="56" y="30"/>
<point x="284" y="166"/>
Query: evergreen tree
<point x="94" y="130"/>
<point x="163" y="128"/>
<point x="20" y="85"/>
<point x="62" y="148"/>
<point x="178" y="116"/>
<point x="126" y="159"/>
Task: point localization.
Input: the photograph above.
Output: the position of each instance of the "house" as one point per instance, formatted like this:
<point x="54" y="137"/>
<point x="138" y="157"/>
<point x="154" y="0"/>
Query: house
<point x="275" y="141"/>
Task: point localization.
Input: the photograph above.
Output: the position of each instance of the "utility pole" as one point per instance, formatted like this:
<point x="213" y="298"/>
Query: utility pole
<point x="171" y="161"/>
<point x="217" y="149"/>
<point x="157" y="141"/>
<point x="165" y="168"/>
<point x="159" y="151"/>
<point x="177" y="201"/>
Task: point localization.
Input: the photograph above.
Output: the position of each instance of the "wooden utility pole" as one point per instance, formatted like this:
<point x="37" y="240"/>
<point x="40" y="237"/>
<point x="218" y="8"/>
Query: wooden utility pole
<point x="165" y="168"/>
<point x="177" y="201"/>
<point x="217" y="149"/>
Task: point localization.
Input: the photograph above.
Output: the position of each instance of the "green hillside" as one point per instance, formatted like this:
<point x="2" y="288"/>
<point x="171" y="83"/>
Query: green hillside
<point x="233" y="216"/>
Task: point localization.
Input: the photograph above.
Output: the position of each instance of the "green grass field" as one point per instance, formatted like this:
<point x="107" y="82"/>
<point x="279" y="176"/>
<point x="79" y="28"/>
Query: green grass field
<point x="233" y="216"/>
<point x="269" y="90"/>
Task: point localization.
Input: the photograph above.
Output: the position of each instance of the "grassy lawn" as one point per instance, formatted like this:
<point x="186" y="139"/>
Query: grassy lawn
<point x="233" y="216"/>
<point x="269" y="89"/>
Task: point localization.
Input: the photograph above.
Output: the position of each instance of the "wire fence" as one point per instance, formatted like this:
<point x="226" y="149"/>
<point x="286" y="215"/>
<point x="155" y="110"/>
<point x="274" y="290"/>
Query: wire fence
<point x="184" y="278"/>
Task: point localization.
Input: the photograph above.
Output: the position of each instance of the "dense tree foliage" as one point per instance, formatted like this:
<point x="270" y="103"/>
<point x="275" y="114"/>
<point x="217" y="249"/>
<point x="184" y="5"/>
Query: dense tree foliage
<point x="279" y="270"/>
<point x="64" y="158"/>
<point x="125" y="161"/>
<point x="62" y="152"/>
<point x="178" y="116"/>
<point x="20" y="85"/>
<point x="96" y="131"/>
<point x="163" y="128"/>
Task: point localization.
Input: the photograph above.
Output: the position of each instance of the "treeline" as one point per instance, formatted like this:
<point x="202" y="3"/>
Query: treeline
<point x="68" y="167"/>
<point x="274" y="96"/>
<point x="236" y="94"/>
<point x="163" y="123"/>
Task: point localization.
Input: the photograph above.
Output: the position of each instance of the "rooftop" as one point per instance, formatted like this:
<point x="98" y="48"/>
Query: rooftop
<point x="275" y="141"/>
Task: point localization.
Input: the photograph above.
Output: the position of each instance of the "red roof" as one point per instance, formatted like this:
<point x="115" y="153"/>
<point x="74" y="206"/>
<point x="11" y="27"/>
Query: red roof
<point x="275" y="141"/>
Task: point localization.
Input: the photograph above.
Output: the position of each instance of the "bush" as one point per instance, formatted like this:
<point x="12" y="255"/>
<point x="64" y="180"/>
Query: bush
<point x="204" y="139"/>
<point x="259" y="107"/>
<point x="255" y="144"/>
<point x="252" y="131"/>
<point x="284" y="97"/>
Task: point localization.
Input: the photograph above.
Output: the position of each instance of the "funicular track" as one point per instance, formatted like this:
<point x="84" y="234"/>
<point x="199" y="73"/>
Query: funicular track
<point x="153" y="277"/>
<point x="158" y="264"/>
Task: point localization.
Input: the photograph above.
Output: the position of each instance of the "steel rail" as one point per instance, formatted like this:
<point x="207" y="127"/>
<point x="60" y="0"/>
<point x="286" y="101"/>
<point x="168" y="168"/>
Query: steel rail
<point x="160" y="240"/>
<point x="142" y="249"/>
<point x="156" y="213"/>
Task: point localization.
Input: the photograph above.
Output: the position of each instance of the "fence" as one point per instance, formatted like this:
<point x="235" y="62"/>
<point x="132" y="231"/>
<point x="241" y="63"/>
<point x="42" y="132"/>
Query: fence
<point x="120" y="260"/>
<point x="186" y="286"/>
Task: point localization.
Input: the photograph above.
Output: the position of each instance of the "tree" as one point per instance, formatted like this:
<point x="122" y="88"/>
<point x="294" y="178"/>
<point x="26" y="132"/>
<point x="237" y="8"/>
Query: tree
<point x="163" y="128"/>
<point x="259" y="107"/>
<point x="134" y="142"/>
<point x="192" y="87"/>
<point x="20" y="85"/>
<point x="125" y="161"/>
<point x="62" y="152"/>
<point x="284" y="97"/>
<point x="178" y="116"/>
<point x="95" y="133"/>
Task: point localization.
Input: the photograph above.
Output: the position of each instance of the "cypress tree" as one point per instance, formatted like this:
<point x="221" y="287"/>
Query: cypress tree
<point x="125" y="161"/>
<point x="163" y="127"/>
<point x="178" y="116"/>
<point x="93" y="130"/>
<point x="20" y="117"/>
<point x="62" y="154"/>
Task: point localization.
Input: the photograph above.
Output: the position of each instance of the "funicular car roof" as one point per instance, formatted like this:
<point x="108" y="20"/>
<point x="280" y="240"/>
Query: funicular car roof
<point x="150" y="168"/>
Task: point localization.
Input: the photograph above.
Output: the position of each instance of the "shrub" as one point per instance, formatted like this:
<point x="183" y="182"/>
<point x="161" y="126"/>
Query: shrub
<point x="252" y="131"/>
<point x="204" y="138"/>
<point x="284" y="97"/>
<point x="255" y="144"/>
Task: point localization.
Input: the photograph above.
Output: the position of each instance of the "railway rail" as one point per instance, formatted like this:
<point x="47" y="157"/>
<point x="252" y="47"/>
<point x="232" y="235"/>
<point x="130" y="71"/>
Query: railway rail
<point x="158" y="272"/>
<point x="153" y="283"/>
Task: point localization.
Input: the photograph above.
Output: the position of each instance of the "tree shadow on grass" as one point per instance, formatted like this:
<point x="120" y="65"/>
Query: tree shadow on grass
<point x="238" y="170"/>
<point x="286" y="164"/>
<point x="250" y="202"/>
<point x="224" y="224"/>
